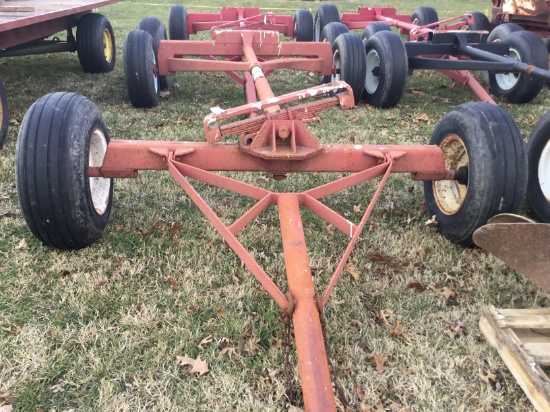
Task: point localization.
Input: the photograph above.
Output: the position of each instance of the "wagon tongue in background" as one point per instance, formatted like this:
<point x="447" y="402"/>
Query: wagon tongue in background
<point x="521" y="243"/>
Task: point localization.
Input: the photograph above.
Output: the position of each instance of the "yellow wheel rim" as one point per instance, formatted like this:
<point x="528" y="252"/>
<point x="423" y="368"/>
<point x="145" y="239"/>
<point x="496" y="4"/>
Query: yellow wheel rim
<point x="449" y="194"/>
<point x="107" y="46"/>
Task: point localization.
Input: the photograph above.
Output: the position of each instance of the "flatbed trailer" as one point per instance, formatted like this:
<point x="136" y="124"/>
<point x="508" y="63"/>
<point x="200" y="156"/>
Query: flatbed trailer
<point x="25" y="25"/>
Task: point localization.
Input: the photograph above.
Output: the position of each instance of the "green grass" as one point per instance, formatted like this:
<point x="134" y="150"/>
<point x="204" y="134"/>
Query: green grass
<point x="100" y="328"/>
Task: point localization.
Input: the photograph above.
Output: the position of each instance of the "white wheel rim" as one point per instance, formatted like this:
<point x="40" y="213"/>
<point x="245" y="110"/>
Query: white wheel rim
<point x="372" y="81"/>
<point x="155" y="78"/>
<point x="449" y="194"/>
<point x="507" y="81"/>
<point x="100" y="187"/>
<point x="336" y="66"/>
<point x="544" y="171"/>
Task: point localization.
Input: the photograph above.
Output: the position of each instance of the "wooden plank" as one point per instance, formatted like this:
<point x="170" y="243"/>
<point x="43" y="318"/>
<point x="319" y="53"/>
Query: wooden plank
<point x="4" y="9"/>
<point x="522" y="365"/>
<point x="523" y="318"/>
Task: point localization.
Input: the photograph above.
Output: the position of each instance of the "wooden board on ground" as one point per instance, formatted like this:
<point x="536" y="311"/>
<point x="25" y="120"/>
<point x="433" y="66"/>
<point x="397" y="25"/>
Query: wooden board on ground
<point x="522" y="338"/>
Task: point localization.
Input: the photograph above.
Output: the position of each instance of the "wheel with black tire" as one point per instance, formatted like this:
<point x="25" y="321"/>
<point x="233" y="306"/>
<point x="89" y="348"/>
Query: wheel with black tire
<point x="177" y="23"/>
<point x="329" y="34"/>
<point x="4" y="114"/>
<point x="303" y="25"/>
<point x="538" y="155"/>
<point x="349" y="62"/>
<point x="156" y="29"/>
<point x="95" y="43"/>
<point x="61" y="136"/>
<point x="374" y="28"/>
<point x="139" y="69"/>
<point x="515" y="87"/>
<point x="484" y="147"/>
<point x="422" y="16"/>
<point x="326" y="13"/>
<point x="480" y="22"/>
<point x="496" y="35"/>
<point x="387" y="70"/>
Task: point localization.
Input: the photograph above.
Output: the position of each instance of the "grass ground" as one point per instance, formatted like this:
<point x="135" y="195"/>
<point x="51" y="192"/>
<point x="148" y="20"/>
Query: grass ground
<point x="101" y="328"/>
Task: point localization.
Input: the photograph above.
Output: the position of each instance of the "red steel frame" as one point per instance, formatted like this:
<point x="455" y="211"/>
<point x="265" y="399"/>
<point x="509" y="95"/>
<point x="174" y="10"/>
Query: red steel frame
<point x="275" y="139"/>
<point x="388" y="15"/>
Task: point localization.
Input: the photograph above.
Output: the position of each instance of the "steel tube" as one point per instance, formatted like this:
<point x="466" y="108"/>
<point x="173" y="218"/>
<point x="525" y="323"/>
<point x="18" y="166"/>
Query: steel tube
<point x="310" y="347"/>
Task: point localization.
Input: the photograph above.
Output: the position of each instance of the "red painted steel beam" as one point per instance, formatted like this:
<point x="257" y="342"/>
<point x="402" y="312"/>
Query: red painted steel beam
<point x="125" y="157"/>
<point x="310" y="348"/>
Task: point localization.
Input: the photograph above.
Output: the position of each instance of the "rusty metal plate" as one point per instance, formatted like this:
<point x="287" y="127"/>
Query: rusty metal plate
<point x="524" y="247"/>
<point x="509" y="218"/>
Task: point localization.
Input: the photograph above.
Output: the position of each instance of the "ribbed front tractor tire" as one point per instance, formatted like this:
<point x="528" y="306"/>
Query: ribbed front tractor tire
<point x="95" y="43"/>
<point x="139" y="69"/>
<point x="481" y="142"/>
<point x="61" y="136"/>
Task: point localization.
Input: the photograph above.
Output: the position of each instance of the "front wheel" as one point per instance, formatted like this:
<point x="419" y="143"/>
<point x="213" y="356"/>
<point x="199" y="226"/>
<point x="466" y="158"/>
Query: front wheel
<point x="156" y="29"/>
<point x="484" y="147"/>
<point x="349" y="62"/>
<point x="515" y="87"/>
<point x="95" y="44"/>
<point x="139" y="69"/>
<point x="538" y="154"/>
<point x="61" y="136"/>
<point x="387" y="70"/>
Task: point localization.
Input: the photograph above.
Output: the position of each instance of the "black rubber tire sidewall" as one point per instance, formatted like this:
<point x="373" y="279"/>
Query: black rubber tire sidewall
<point x="394" y="69"/>
<point x="303" y="25"/>
<point x="424" y="15"/>
<point x="177" y="23"/>
<point x="497" y="178"/>
<point x="89" y="43"/>
<point x="157" y="30"/>
<point x="4" y="114"/>
<point x="326" y="13"/>
<point x="373" y="28"/>
<point x="139" y="63"/>
<point x="352" y="61"/>
<point x="330" y="33"/>
<point x="538" y="140"/>
<point x="503" y="30"/>
<point x="52" y="171"/>
<point x="481" y="22"/>
<point x="532" y="51"/>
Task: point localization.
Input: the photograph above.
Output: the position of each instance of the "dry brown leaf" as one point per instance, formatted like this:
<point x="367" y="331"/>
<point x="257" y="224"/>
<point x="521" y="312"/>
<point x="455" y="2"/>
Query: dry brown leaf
<point x="359" y="392"/>
<point x="118" y="228"/>
<point x="5" y="395"/>
<point x="164" y="94"/>
<point x="406" y="372"/>
<point x="357" y="208"/>
<point x="365" y="408"/>
<point x="228" y="351"/>
<point x="416" y="286"/>
<point x="379" y="361"/>
<point x="431" y="221"/>
<point x="206" y="340"/>
<point x="58" y="387"/>
<point x="6" y="408"/>
<point x="352" y="270"/>
<point x="195" y="365"/>
<point x="220" y="313"/>
<point x="424" y="117"/>
<point x="448" y="293"/>
<point x="398" y="331"/>
<point x="22" y="245"/>
<point x="330" y="229"/>
<point x="488" y="377"/>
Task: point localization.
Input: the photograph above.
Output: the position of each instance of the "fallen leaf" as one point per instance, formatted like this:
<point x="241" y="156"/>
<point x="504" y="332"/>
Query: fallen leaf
<point x="221" y="313"/>
<point x="118" y="228"/>
<point x="22" y="245"/>
<point x="423" y="117"/>
<point x="359" y="392"/>
<point x="488" y="377"/>
<point x="406" y="372"/>
<point x="5" y="395"/>
<point x="379" y="361"/>
<point x="293" y="408"/>
<point x="398" y="331"/>
<point x="431" y="221"/>
<point x="416" y="286"/>
<point x="330" y="229"/>
<point x="357" y="208"/>
<point x="164" y="94"/>
<point x="352" y="270"/>
<point x="58" y="387"/>
<point x="228" y="351"/>
<point x="6" y="408"/>
<point x="448" y="293"/>
<point x="196" y="365"/>
<point x="206" y="340"/>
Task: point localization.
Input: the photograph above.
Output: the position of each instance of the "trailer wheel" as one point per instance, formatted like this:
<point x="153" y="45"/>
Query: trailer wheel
<point x="303" y="25"/>
<point x="387" y="70"/>
<point x="349" y="62"/>
<point x="4" y="114"/>
<point x="139" y="69"/>
<point x="330" y="33"/>
<point x="515" y="87"/>
<point x="538" y="154"/>
<point x="503" y="30"/>
<point x="177" y="23"/>
<point x="423" y="16"/>
<point x="374" y="28"/>
<point x="156" y="29"/>
<point x="61" y="136"/>
<point x="481" y="22"/>
<point x="481" y="142"/>
<point x="95" y="44"/>
<point x="326" y="13"/>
